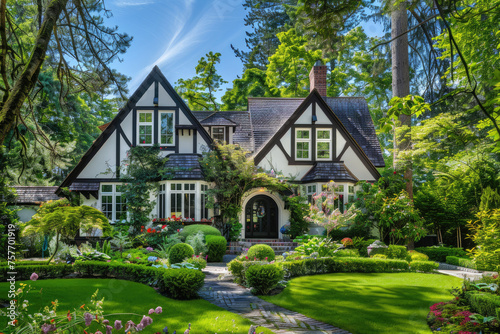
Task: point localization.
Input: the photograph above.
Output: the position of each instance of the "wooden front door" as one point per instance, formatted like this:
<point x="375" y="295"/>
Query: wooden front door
<point x="261" y="218"/>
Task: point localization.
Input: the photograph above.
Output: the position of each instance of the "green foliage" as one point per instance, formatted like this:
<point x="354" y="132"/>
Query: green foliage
<point x="320" y="246"/>
<point x="181" y="283"/>
<point x="362" y="245"/>
<point x="424" y="266"/>
<point x="197" y="241"/>
<point x="261" y="252"/>
<point x="179" y="252"/>
<point x="439" y="254"/>
<point x="346" y="253"/>
<point x="238" y="268"/>
<point x="461" y="262"/>
<point x="233" y="174"/>
<point x="485" y="231"/>
<point x="141" y="171"/>
<point x="24" y="271"/>
<point x="343" y="264"/>
<point x="416" y="256"/>
<point x="197" y="261"/>
<point x="490" y="199"/>
<point x="196" y="228"/>
<point x="121" y="241"/>
<point x="217" y="247"/>
<point x="264" y="278"/>
<point x="484" y="303"/>
<point x="397" y="252"/>
<point x="379" y="256"/>
<point x="200" y="91"/>
<point x="298" y="208"/>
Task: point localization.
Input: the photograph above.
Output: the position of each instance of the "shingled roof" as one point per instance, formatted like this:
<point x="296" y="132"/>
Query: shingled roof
<point x="243" y="134"/>
<point x="35" y="194"/>
<point x="184" y="166"/>
<point x="326" y="171"/>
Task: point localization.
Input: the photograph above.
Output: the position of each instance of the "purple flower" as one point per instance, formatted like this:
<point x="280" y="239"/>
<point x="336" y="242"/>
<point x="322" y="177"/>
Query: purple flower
<point x="109" y="329"/>
<point x="151" y="311"/>
<point x="88" y="318"/>
<point x="118" y="325"/>
<point x="165" y="329"/>
<point x="149" y="249"/>
<point x="48" y="328"/>
<point x="128" y="325"/>
<point x="158" y="310"/>
<point x="34" y="277"/>
<point x="188" y="330"/>
<point x="146" y="321"/>
<point x="98" y="332"/>
<point x="139" y="327"/>
<point x="105" y="322"/>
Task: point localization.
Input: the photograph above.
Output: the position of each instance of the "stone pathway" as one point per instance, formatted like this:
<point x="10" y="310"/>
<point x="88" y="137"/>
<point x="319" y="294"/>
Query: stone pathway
<point x="461" y="272"/>
<point x="221" y="291"/>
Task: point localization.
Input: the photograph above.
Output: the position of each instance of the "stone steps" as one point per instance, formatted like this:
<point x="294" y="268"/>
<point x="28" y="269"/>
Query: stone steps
<point x="279" y="246"/>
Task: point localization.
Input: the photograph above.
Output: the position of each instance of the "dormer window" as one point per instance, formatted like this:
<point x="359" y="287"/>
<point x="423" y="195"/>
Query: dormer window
<point x="219" y="133"/>
<point x="303" y="144"/>
<point x="145" y="128"/>
<point x="167" y="128"/>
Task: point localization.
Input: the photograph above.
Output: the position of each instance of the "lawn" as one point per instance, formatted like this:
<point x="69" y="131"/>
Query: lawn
<point x="368" y="303"/>
<point x="130" y="297"/>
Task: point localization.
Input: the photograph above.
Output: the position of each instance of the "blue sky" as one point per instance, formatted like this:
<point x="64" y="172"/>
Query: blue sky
<point x="175" y="34"/>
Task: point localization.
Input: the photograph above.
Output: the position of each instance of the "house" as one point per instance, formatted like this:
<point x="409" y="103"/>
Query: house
<point x="29" y="198"/>
<point x="314" y="139"/>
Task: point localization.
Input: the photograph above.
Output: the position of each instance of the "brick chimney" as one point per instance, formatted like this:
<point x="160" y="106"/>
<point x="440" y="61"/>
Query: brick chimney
<point x="317" y="78"/>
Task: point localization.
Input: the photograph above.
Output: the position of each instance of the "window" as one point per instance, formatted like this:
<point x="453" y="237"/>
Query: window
<point x="183" y="200"/>
<point x="350" y="196"/>
<point x="113" y="204"/>
<point x="218" y="133"/>
<point x="323" y="144"/>
<point x="303" y="144"/>
<point x="310" y="192"/>
<point x="204" y="201"/>
<point x="161" y="201"/>
<point x="167" y="128"/>
<point x="145" y="128"/>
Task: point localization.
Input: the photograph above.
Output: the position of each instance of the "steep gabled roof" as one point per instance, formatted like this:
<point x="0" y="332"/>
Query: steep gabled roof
<point x="217" y="119"/>
<point x="184" y="166"/>
<point x="35" y="194"/>
<point x="243" y="134"/>
<point x="154" y="75"/>
<point x="326" y="171"/>
<point x="290" y="120"/>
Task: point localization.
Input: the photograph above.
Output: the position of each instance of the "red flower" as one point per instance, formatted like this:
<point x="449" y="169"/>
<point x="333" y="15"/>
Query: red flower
<point x="394" y="173"/>
<point x="149" y="230"/>
<point x="154" y="231"/>
<point x="163" y="226"/>
<point x="154" y="220"/>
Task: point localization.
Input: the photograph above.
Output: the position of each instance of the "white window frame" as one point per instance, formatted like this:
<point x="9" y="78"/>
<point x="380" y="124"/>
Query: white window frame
<point x="173" y="127"/>
<point x="114" y="193"/>
<point x="310" y="191"/>
<point x="322" y="140"/>
<point x="223" y="133"/>
<point x="303" y="140"/>
<point x="139" y="124"/>
<point x="183" y="191"/>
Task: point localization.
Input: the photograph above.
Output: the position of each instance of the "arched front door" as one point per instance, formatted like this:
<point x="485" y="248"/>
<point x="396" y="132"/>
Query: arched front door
<point x="261" y="218"/>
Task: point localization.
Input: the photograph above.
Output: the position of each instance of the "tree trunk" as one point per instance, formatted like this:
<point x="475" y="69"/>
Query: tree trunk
<point x="57" y="248"/>
<point x="11" y="109"/>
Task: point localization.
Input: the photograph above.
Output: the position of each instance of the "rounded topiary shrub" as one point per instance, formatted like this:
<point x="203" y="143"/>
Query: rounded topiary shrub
<point x="181" y="283"/>
<point x="216" y="246"/>
<point x="264" y="278"/>
<point x="193" y="229"/>
<point x="261" y="252"/>
<point x="397" y="252"/>
<point x="179" y="252"/>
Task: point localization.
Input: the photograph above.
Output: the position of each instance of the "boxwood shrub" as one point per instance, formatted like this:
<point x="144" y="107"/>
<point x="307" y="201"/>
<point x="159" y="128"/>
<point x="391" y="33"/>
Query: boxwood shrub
<point x="195" y="228"/>
<point x="460" y="261"/>
<point x="484" y="303"/>
<point x="238" y="268"/>
<point x="217" y="246"/>
<point x="439" y="254"/>
<point x="424" y="266"/>
<point x="261" y="252"/>
<point x="181" y="283"/>
<point x="397" y="252"/>
<point x="23" y="272"/>
<point x="343" y="264"/>
<point x="263" y="278"/>
<point x="179" y="252"/>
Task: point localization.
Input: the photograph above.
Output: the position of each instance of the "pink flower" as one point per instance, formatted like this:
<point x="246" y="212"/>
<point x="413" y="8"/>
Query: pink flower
<point x="151" y="311"/>
<point x="34" y="277"/>
<point x="88" y="318"/>
<point x="109" y="329"/>
<point x="146" y="321"/>
<point x="118" y="325"/>
<point x="158" y="310"/>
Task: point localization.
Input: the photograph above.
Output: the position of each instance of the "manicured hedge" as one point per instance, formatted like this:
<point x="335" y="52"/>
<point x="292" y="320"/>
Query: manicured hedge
<point x="176" y="283"/>
<point x="264" y="278"/>
<point x="460" y="261"/>
<point x="261" y="252"/>
<point x="238" y="268"/>
<point x="439" y="254"/>
<point x="484" y="303"/>
<point x="333" y="265"/>
<point x="425" y="266"/>
<point x="397" y="252"/>
<point x="195" y="228"/>
<point x="217" y="247"/>
<point x="179" y="252"/>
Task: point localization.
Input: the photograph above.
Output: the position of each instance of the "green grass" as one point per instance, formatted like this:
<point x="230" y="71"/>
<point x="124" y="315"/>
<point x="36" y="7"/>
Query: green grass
<point x="130" y="297"/>
<point x="368" y="303"/>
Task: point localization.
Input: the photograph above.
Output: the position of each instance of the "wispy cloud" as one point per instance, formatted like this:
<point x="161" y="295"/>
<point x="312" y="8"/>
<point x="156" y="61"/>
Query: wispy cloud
<point x="128" y="3"/>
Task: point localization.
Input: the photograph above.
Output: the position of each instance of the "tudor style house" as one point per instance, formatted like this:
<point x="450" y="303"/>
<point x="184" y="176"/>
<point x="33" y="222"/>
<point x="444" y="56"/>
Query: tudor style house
<point x="314" y="140"/>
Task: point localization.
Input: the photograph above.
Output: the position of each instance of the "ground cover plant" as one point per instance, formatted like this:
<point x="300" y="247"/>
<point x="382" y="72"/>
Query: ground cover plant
<point x="130" y="297"/>
<point x="367" y="302"/>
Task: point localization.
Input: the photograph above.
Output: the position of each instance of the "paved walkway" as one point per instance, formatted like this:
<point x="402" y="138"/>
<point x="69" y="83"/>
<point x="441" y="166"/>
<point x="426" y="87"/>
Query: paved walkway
<point x="461" y="272"/>
<point x="221" y="291"/>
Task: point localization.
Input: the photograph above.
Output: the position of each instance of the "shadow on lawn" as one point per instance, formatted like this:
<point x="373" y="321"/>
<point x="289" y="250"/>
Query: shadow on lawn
<point x="365" y="303"/>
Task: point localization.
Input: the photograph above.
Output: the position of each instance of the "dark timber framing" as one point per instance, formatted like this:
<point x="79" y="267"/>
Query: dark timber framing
<point x="154" y="76"/>
<point x="312" y="99"/>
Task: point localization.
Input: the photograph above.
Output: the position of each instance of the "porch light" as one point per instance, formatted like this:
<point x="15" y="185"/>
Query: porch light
<point x="314" y="118"/>
<point x="262" y="189"/>
<point x="155" y="101"/>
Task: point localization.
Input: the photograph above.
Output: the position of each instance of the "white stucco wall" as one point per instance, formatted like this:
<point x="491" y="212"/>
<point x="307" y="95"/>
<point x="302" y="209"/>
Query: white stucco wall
<point x="164" y="99"/>
<point x="147" y="98"/>
<point x="322" y="118"/>
<point x="103" y="160"/>
<point x="356" y="166"/>
<point x="185" y="141"/>
<point x="306" y="117"/>
<point x="277" y="160"/>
